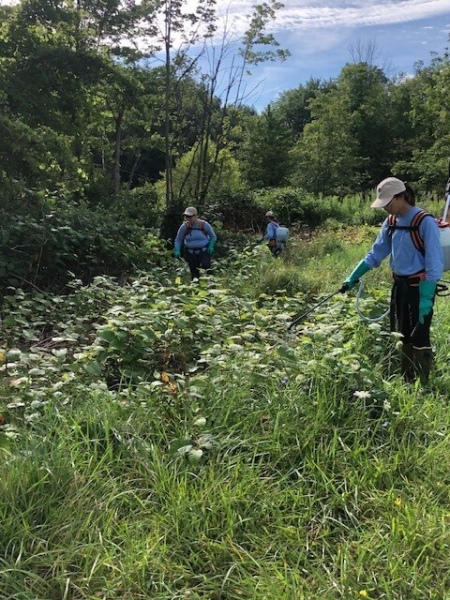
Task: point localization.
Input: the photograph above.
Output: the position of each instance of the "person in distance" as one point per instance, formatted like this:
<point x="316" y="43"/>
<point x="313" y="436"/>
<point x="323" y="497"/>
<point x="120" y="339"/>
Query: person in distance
<point x="198" y="238"/>
<point x="271" y="233"/>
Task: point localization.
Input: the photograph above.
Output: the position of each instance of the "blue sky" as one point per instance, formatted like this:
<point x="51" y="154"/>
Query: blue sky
<point x="319" y="35"/>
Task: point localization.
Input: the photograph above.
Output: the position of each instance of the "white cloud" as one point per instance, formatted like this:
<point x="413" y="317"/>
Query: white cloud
<point x="305" y="15"/>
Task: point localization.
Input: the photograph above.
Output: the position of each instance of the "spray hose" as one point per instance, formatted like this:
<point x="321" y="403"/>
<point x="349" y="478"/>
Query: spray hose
<point x="441" y="290"/>
<point x="358" y="310"/>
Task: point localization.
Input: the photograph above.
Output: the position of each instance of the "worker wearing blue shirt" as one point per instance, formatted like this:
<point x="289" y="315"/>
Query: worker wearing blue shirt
<point x="271" y="233"/>
<point x="415" y="273"/>
<point x="198" y="238"/>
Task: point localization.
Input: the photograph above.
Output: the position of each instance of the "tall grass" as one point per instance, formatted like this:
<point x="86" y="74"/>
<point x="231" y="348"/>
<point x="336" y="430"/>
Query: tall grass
<point x="282" y="465"/>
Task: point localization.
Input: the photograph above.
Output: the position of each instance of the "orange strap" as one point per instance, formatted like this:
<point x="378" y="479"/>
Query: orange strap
<point x="413" y="228"/>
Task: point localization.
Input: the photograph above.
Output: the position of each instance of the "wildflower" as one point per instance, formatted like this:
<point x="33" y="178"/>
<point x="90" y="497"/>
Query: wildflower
<point x="396" y="334"/>
<point x="398" y="502"/>
<point x="200" y="422"/>
<point x="364" y="593"/>
<point x="362" y="394"/>
<point x="386" y="405"/>
<point x="195" y="454"/>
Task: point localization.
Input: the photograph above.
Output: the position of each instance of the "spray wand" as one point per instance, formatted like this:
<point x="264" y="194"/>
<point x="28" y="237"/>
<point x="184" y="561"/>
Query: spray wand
<point x="299" y="318"/>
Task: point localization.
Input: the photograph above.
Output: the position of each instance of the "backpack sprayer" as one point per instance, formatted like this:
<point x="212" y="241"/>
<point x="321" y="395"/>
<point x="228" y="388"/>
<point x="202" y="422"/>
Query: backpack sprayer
<point x="444" y="232"/>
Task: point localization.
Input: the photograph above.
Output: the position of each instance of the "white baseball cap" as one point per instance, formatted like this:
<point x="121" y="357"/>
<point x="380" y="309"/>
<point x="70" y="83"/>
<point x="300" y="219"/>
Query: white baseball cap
<point x="269" y="213"/>
<point x="190" y="211"/>
<point x="386" y="190"/>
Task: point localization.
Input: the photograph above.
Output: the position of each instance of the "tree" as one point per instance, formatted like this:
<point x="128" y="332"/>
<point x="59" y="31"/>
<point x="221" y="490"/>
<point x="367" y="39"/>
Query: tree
<point x="325" y="155"/>
<point x="60" y="60"/>
<point x="224" y="175"/>
<point x="265" y="150"/>
<point x="347" y="146"/>
<point x="425" y="131"/>
<point x="293" y="105"/>
<point x="180" y="24"/>
<point x="191" y="28"/>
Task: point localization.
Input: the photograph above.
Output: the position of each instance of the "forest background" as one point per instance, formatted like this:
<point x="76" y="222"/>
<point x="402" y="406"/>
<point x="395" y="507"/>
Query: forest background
<point x="101" y="148"/>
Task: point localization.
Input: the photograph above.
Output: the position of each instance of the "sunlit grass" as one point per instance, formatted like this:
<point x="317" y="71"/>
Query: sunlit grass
<point x="278" y="464"/>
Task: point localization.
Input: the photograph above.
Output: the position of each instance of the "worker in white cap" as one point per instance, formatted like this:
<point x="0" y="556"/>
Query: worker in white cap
<point x="271" y="233"/>
<point x="198" y="238"/>
<point x="410" y="236"/>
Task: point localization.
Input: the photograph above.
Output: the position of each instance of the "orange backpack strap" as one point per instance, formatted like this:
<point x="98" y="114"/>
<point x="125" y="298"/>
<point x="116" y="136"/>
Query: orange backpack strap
<point x="415" y="233"/>
<point x="413" y="228"/>
<point x="201" y="227"/>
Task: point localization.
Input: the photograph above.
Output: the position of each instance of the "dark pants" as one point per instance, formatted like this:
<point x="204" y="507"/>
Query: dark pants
<point x="197" y="259"/>
<point x="276" y="248"/>
<point x="417" y="354"/>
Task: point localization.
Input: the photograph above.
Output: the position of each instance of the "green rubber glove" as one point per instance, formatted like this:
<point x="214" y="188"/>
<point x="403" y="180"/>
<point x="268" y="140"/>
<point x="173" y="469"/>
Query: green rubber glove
<point x="427" y="289"/>
<point x="211" y="245"/>
<point x="360" y="269"/>
<point x="176" y="253"/>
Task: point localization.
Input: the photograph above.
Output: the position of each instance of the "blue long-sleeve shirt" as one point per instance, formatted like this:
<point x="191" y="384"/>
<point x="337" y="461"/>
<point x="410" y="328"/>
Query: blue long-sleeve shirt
<point x="195" y="237"/>
<point x="271" y="231"/>
<point x="405" y="259"/>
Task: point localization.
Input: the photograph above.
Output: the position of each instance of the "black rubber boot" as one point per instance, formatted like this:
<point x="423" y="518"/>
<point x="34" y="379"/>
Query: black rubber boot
<point x="423" y="359"/>
<point x="408" y="366"/>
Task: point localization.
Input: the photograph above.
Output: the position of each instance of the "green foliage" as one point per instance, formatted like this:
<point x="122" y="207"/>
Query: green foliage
<point x="298" y="461"/>
<point x="258" y="45"/>
<point x="65" y="242"/>
<point x="424" y="114"/>
<point x="294" y="205"/>
<point x="39" y="157"/>
<point x="293" y="106"/>
<point x="221" y="173"/>
<point x="239" y="210"/>
<point x="88" y="123"/>
<point x="344" y="148"/>
<point x="139" y="205"/>
<point x="264" y="152"/>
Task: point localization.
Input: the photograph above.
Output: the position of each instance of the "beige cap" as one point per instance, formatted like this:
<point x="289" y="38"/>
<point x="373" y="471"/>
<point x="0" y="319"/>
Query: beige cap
<point x="269" y="213"/>
<point x="190" y="211"/>
<point x="386" y="190"/>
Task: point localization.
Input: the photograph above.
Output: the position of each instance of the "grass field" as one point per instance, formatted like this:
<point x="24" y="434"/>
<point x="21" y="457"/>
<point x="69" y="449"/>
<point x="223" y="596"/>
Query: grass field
<point x="166" y="440"/>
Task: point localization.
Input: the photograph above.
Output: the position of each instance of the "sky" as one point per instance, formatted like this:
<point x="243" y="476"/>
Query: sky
<point x="320" y="34"/>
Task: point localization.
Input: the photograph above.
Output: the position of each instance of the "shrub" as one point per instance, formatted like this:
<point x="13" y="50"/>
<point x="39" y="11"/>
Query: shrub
<point x="238" y="210"/>
<point x="141" y="205"/>
<point x="67" y="241"/>
<point x="293" y="205"/>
